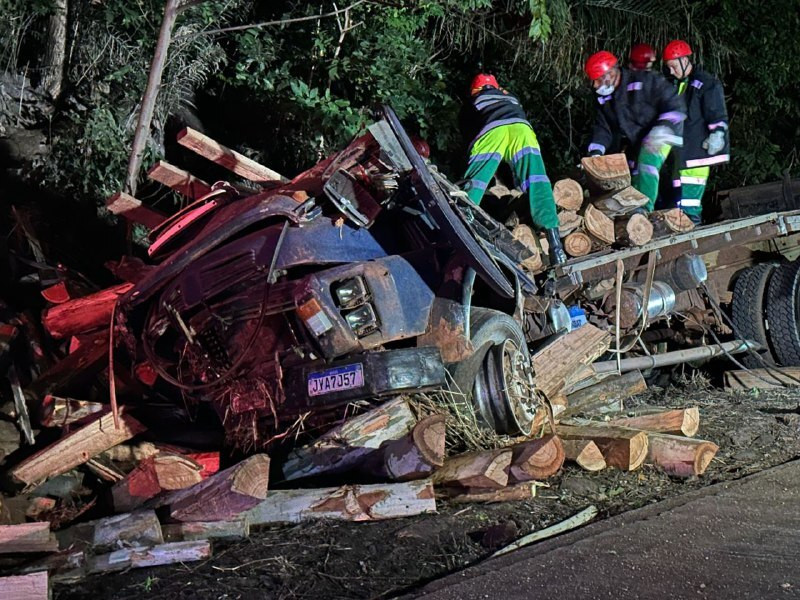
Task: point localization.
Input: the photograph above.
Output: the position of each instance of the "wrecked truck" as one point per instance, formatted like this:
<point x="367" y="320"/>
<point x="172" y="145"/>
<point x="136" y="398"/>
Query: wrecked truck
<point x="371" y="274"/>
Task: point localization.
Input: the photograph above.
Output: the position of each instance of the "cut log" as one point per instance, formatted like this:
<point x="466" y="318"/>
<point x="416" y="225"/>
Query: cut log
<point x="762" y="379"/>
<point x="155" y="474"/>
<point x="414" y="456"/>
<point x="568" y="221"/>
<point x="536" y="459"/>
<point x="26" y="538"/>
<point x="82" y="364"/>
<point x="25" y="587"/>
<point x="622" y="448"/>
<point x="131" y="529"/>
<point x="59" y="412"/>
<point x="163" y="554"/>
<point x="485" y="469"/>
<point x="680" y="456"/>
<point x="83" y="315"/>
<point x="633" y="230"/>
<point x="599" y="225"/>
<point x="684" y="421"/>
<point x="237" y="529"/>
<point x="585" y="453"/>
<point x="61" y="567"/>
<point x="525" y="235"/>
<point x="224" y="495"/>
<point x="179" y="180"/>
<point x="606" y="396"/>
<point x="130" y="208"/>
<point x="554" y="363"/>
<point x="519" y="491"/>
<point x="225" y="157"/>
<point x="577" y="244"/>
<point x="607" y="173"/>
<point x="347" y="445"/>
<point x="620" y="202"/>
<point x="77" y="447"/>
<point x="568" y="194"/>
<point x="669" y="222"/>
<point x="348" y="503"/>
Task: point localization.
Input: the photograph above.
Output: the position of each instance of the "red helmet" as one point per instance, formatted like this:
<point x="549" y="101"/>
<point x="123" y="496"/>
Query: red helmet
<point x="676" y="49"/>
<point x="642" y="55"/>
<point x="421" y="146"/>
<point x="481" y="80"/>
<point x="599" y="64"/>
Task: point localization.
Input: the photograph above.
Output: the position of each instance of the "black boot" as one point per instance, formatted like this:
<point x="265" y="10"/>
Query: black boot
<point x="556" y="250"/>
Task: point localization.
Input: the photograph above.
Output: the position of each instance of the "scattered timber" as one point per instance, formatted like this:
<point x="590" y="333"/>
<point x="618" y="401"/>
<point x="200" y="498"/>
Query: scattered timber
<point x="414" y="456"/>
<point x="348" y="503"/>
<point x="26" y="538"/>
<point x="230" y="159"/>
<point x="59" y="412"/>
<point x="132" y="209"/>
<point x="163" y="554"/>
<point x="485" y="469"/>
<point x="607" y="173"/>
<point x="153" y="475"/>
<point x="568" y="221"/>
<point x="178" y="180"/>
<point x="620" y="202"/>
<point x="77" y="447"/>
<point x="34" y="586"/>
<point x="577" y="244"/>
<point x="633" y="230"/>
<point x="598" y="225"/>
<point x="347" y="445"/>
<point x="606" y="396"/>
<point x="585" y="454"/>
<point x="223" y="496"/>
<point x="762" y="379"/>
<point x="684" y="421"/>
<point x="520" y="491"/>
<point x="536" y="459"/>
<point x="669" y="222"/>
<point x="622" y="448"/>
<point x="680" y="456"/>
<point x="84" y="362"/>
<point x="237" y="529"/>
<point x="568" y="194"/>
<point x="525" y="235"/>
<point x="140" y="528"/>
<point x="83" y="315"/>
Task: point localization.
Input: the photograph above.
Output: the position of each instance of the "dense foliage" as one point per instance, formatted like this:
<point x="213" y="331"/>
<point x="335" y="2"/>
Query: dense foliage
<point x="291" y="92"/>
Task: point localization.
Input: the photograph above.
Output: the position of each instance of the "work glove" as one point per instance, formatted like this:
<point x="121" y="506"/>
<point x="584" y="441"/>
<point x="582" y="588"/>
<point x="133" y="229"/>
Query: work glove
<point x="715" y="142"/>
<point x="596" y="153"/>
<point x="659" y="136"/>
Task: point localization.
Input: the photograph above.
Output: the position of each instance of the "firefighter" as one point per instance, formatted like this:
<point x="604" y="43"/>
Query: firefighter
<point x="705" y="132"/>
<point x="639" y="113"/>
<point x="504" y="134"/>
<point x="642" y="57"/>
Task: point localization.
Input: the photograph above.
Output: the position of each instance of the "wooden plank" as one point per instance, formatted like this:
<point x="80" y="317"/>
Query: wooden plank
<point x="622" y="448"/>
<point x="206" y="530"/>
<point x="225" y="157"/>
<point x="556" y="362"/>
<point x="348" y="503"/>
<point x="25" y="587"/>
<point x="27" y="537"/>
<point x="179" y="180"/>
<point x="163" y="554"/>
<point x="83" y="315"/>
<point x="346" y="445"/>
<point x="762" y="379"/>
<point x="484" y="469"/>
<point x="680" y="456"/>
<point x="60" y="412"/>
<point x="684" y="421"/>
<point x="126" y="206"/>
<point x="77" y="447"/>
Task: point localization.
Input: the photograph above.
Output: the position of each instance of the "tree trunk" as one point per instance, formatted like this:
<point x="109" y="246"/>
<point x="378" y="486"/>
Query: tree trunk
<point x="607" y="173"/>
<point x="83" y="315"/>
<point x="155" y="474"/>
<point x="670" y="222"/>
<point x="486" y="469"/>
<point x="633" y="230"/>
<point x="622" y="448"/>
<point x="680" y="456"/>
<point x="56" y="50"/>
<point x="568" y="194"/>
<point x="578" y="243"/>
<point x="414" y="456"/>
<point x="684" y="421"/>
<point x="606" y="396"/>
<point x="585" y="453"/>
<point x="536" y="459"/>
<point x="139" y="557"/>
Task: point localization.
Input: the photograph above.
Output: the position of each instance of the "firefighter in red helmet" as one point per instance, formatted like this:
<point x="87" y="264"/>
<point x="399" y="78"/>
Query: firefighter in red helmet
<point x="639" y="113"/>
<point x="502" y="133"/>
<point x="705" y="131"/>
<point x="642" y="57"/>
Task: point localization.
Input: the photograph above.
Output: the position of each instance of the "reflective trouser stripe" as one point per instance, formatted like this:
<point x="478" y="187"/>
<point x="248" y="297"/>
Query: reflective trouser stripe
<point x="693" y="186"/>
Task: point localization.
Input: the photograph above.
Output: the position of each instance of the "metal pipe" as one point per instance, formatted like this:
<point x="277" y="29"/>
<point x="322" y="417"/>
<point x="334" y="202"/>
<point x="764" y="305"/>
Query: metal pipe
<point x="675" y="358"/>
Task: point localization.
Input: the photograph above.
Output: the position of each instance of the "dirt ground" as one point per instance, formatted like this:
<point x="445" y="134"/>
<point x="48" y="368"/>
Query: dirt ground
<point x="754" y="431"/>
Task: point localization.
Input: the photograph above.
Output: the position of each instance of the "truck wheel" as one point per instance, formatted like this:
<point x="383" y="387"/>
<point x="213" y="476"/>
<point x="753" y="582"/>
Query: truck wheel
<point x="498" y="377"/>
<point x="748" y="312"/>
<point x="783" y="313"/>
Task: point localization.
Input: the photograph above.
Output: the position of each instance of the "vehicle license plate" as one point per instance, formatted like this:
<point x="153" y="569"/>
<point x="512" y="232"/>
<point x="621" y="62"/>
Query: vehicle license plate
<point x="335" y="380"/>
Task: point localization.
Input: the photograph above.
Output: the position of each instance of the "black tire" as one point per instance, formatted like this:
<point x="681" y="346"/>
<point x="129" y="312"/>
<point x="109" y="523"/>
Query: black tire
<point x="497" y="379"/>
<point x="748" y="312"/>
<point x="783" y="313"/>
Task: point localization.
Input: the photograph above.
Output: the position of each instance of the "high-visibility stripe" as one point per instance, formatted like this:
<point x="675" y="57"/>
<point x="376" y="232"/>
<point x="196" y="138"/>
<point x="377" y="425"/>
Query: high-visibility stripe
<point x="636" y="85"/>
<point x="533" y="179"/>
<point x="676" y="183"/>
<point x="718" y="124"/>
<point x="476" y="184"/>
<point x="593" y="147"/>
<point x="525" y="151"/>
<point x="672" y="116"/>
<point x="711" y="160"/>
<point x="649" y="169"/>
<point x="486" y="156"/>
<point x="689" y="202"/>
<point x="693" y="180"/>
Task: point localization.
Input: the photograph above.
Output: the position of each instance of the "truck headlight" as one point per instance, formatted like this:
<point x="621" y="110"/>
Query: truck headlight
<point x="362" y="320"/>
<point x="351" y="292"/>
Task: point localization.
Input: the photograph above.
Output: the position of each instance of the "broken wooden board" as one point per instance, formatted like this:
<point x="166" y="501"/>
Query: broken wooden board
<point x="348" y="503"/>
<point x="622" y="448"/>
<point x="680" y="456"/>
<point x="585" y="454"/>
<point x="83" y="315"/>
<point x="346" y="445"/>
<point x="553" y="364"/>
<point x="77" y="447"/>
<point x="130" y="208"/>
<point x="34" y="586"/>
<point x="230" y="159"/>
<point x="26" y="538"/>
<point x="178" y="180"/>
<point x="762" y="379"/>
<point x="683" y="421"/>
<point x="607" y="173"/>
<point x="484" y="469"/>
